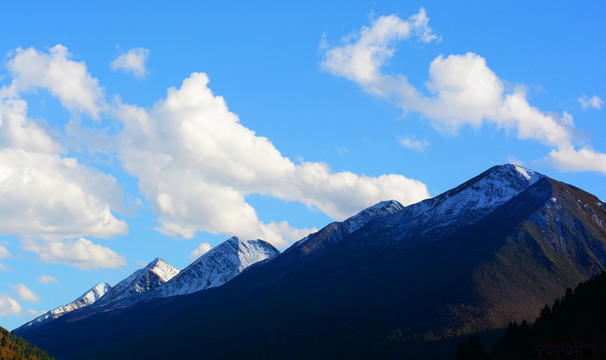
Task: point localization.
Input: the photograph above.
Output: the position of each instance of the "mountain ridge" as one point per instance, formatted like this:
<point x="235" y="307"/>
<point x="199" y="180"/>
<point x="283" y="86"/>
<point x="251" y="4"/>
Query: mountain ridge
<point x="86" y="299"/>
<point x="218" y="266"/>
<point x="374" y="290"/>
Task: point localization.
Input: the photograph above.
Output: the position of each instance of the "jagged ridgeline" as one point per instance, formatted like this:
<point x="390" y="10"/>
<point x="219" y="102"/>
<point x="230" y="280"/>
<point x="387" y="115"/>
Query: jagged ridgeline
<point x="14" y="347"/>
<point x="159" y="279"/>
<point x="393" y="281"/>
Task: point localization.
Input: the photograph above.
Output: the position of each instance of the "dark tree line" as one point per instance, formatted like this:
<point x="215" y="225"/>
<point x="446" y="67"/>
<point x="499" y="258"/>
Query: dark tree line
<point x="578" y="315"/>
<point x="14" y="347"/>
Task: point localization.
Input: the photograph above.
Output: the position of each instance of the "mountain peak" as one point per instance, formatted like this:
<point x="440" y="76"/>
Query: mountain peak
<point x="152" y="276"/>
<point x="233" y="240"/>
<point x="464" y="205"/>
<point x="86" y="299"/>
<point x="219" y="265"/>
<point x="517" y="171"/>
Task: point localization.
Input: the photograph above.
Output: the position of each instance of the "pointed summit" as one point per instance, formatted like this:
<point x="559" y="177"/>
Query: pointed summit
<point x="466" y="204"/>
<point x="129" y="290"/>
<point x="86" y="299"/>
<point x="219" y="265"/>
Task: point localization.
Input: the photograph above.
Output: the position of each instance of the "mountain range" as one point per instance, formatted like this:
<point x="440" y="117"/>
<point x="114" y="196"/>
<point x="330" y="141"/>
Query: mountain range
<point x="392" y="281"/>
<point x="160" y="279"/>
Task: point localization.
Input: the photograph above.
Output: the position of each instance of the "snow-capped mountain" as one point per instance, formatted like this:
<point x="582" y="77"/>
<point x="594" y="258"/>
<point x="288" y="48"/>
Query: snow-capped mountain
<point x="493" y="250"/>
<point x="466" y="204"/>
<point x="87" y="299"/>
<point x="133" y="288"/>
<point x="218" y="266"/>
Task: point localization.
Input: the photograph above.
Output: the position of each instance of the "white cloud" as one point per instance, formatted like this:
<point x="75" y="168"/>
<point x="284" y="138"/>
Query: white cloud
<point x="199" y="251"/>
<point x="4" y="253"/>
<point x="81" y="253"/>
<point x="47" y="196"/>
<point x="17" y="131"/>
<point x="46" y="279"/>
<point x="132" y="62"/>
<point x="25" y="293"/>
<point x="66" y="79"/>
<point x="414" y="144"/>
<point x="5" y="268"/>
<point x="9" y="306"/>
<point x="585" y="159"/>
<point x="361" y="60"/>
<point x="593" y="102"/>
<point x="196" y="163"/>
<point x="44" y="195"/>
<point x="462" y="90"/>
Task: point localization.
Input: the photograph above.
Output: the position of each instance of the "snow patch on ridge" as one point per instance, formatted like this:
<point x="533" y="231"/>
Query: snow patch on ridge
<point x="463" y="205"/>
<point x="149" y="278"/>
<point x="86" y="299"/>
<point x="530" y="175"/>
<point x="218" y="266"/>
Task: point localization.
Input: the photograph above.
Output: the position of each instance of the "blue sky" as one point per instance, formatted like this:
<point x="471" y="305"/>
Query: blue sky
<point x="130" y="132"/>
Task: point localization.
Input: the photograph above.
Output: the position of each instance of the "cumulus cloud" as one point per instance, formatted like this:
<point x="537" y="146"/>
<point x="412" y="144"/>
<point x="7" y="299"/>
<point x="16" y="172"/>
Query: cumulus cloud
<point x="9" y="306"/>
<point x="45" y="195"/>
<point x="66" y="79"/>
<point x="461" y="89"/>
<point x="25" y="293"/>
<point x="133" y="62"/>
<point x="46" y="279"/>
<point x="81" y="253"/>
<point x="414" y="144"/>
<point x="199" y="251"/>
<point x="593" y="102"/>
<point x="19" y="132"/>
<point x="196" y="163"/>
<point x="49" y="197"/>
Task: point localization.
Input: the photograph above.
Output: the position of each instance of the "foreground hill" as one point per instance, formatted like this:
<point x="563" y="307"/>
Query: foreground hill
<point x="576" y="320"/>
<point x="399" y="282"/>
<point x="13" y="347"/>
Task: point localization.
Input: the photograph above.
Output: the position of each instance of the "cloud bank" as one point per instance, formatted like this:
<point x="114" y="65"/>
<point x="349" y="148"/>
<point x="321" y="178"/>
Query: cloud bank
<point x="196" y="163"/>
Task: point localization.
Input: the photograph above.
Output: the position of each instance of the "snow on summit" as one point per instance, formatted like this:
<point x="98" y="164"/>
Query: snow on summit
<point x="87" y="299"/>
<point x="152" y="276"/>
<point x="219" y="265"/>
